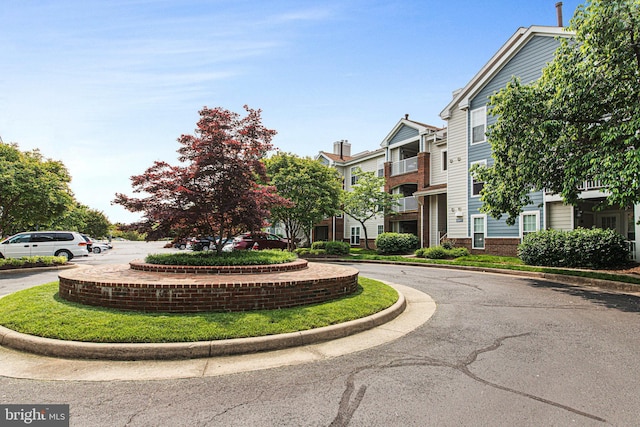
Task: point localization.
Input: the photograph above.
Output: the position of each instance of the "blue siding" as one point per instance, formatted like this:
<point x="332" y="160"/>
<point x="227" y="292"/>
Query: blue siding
<point x="405" y="132"/>
<point x="527" y="65"/>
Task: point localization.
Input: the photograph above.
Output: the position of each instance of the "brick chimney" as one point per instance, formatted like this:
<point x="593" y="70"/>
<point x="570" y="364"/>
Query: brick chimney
<point x="342" y="148"/>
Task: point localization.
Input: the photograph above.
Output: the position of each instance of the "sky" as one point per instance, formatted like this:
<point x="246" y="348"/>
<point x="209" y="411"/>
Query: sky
<point x="107" y="87"/>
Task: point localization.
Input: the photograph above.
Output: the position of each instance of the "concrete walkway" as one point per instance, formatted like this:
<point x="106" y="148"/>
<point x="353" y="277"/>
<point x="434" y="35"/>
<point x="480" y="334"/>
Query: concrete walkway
<point x="418" y="308"/>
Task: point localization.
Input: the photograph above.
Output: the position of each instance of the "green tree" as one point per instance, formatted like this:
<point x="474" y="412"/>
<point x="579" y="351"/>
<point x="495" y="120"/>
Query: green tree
<point x="82" y="218"/>
<point x="33" y="190"/>
<point x="97" y="224"/>
<point x="579" y="122"/>
<point x="312" y="189"/>
<point x="367" y="199"/>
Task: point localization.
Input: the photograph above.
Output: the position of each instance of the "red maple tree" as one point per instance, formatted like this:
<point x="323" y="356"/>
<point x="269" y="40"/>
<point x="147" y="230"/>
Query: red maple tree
<point x="216" y="190"/>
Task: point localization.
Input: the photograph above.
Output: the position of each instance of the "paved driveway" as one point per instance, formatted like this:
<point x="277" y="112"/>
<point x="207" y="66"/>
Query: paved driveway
<point x="498" y="351"/>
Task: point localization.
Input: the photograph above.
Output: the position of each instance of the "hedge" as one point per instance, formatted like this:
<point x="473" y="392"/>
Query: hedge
<point x="590" y="248"/>
<point x="396" y="243"/>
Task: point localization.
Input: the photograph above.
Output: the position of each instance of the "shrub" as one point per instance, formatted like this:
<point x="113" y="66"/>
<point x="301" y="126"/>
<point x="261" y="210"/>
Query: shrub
<point x="325" y="248"/>
<point x="396" y="243"/>
<point x="319" y="245"/>
<point x="591" y="248"/>
<point x="337" y="248"/>
<point x="441" y="252"/>
<point x="31" y="261"/>
<point x="458" y="252"/>
<point x="269" y="256"/>
<point x="434" y="252"/>
<point x="447" y="244"/>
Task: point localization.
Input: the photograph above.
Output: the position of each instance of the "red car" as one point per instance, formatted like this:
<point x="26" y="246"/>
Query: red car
<point x="264" y="241"/>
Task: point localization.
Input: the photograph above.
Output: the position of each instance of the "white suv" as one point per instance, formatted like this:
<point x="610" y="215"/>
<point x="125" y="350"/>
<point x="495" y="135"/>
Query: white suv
<point x="44" y="243"/>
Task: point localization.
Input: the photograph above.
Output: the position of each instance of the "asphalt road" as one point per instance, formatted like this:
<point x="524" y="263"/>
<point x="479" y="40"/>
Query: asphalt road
<point x="499" y="351"/>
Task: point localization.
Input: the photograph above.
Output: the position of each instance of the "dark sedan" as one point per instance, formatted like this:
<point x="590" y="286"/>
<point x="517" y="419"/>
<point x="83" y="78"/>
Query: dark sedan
<point x="259" y="241"/>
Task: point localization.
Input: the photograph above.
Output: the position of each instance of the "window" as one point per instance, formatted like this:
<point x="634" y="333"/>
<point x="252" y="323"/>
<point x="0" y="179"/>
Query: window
<point x="445" y="160"/>
<point x="380" y="168"/>
<point x="380" y="229"/>
<point x="21" y="238"/>
<point x="479" y="226"/>
<point x="355" y="236"/>
<point x="476" y="186"/>
<point x="529" y="223"/>
<point x="354" y="175"/>
<point x="478" y="125"/>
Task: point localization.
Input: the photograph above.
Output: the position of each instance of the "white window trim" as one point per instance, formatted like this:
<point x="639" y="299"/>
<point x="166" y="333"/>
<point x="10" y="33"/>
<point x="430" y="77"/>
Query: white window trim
<point x="521" y="221"/>
<point x="353" y="178"/>
<point x="484" y="116"/>
<point x="473" y="223"/>
<point x="357" y="234"/>
<point x="479" y="162"/>
<point x="379" y="168"/>
<point x="445" y="159"/>
<point x="380" y="226"/>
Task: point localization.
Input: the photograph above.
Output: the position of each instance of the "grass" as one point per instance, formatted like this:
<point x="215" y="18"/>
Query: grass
<point x="223" y="259"/>
<point x="497" y="262"/>
<point x="40" y="311"/>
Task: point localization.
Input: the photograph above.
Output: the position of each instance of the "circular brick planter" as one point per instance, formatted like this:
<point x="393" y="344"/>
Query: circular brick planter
<point x="179" y="289"/>
<point x="299" y="264"/>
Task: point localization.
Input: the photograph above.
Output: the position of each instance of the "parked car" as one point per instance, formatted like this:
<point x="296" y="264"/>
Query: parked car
<point x="99" y="247"/>
<point x="201" y="244"/>
<point x="89" y="241"/>
<point x="180" y="243"/>
<point x="68" y="244"/>
<point x="263" y="240"/>
<point x="206" y="243"/>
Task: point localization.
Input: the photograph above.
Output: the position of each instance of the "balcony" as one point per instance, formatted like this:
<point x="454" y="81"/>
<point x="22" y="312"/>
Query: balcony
<point x="590" y="185"/>
<point x="404" y="166"/>
<point x="584" y="186"/>
<point x="407" y="204"/>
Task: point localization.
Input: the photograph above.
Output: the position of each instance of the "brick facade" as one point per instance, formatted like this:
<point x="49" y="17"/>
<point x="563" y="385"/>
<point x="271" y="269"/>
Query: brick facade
<point x="492" y="246"/>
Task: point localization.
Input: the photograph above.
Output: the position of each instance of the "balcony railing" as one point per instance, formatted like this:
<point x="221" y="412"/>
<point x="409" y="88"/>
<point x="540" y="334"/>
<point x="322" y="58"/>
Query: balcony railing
<point x="404" y="166"/>
<point x="590" y="185"/>
<point x="584" y="186"/>
<point x="407" y="204"/>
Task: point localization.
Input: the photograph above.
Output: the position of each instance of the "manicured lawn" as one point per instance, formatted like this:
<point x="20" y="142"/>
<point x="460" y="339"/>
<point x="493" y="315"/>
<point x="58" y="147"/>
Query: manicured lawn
<point x="39" y="311"/>
<point x="498" y="262"/>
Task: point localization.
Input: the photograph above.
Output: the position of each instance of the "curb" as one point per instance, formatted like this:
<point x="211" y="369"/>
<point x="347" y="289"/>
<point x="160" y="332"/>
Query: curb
<point x="193" y="350"/>
<point x="549" y="277"/>
<point x="37" y="269"/>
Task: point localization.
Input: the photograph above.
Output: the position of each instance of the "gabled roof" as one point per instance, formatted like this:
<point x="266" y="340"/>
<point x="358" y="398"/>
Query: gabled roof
<point x="420" y="127"/>
<point x="334" y="157"/>
<point x="502" y="57"/>
<point x="350" y="159"/>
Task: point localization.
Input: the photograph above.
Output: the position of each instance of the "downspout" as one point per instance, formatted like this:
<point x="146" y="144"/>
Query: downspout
<point x="334" y="228"/>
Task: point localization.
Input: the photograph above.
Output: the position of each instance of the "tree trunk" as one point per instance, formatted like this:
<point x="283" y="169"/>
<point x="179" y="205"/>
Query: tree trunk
<point x="366" y="239"/>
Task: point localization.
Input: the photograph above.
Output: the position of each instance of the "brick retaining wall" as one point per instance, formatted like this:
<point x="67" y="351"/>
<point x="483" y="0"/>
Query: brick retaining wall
<point x="123" y="288"/>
